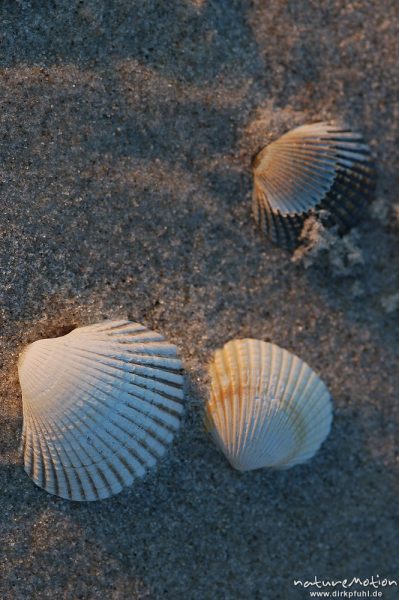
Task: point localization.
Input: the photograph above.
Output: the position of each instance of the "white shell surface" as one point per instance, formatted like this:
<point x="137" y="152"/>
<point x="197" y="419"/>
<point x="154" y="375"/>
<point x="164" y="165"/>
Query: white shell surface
<point x="267" y="407"/>
<point x="100" y="406"/>
<point x="318" y="166"/>
<point x="298" y="170"/>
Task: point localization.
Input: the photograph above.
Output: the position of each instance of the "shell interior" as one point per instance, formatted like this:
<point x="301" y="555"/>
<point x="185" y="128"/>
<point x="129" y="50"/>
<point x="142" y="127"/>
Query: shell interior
<point x="100" y="406"/>
<point x="267" y="407"/>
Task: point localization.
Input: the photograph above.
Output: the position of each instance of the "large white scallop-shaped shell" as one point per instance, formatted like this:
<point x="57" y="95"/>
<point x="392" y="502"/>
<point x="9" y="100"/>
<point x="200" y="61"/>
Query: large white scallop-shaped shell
<point x="100" y="406"/>
<point x="318" y="166"/>
<point x="267" y="407"/>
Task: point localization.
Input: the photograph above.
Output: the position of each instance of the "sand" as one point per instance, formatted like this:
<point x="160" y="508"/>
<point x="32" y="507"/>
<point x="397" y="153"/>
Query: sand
<point x="127" y="131"/>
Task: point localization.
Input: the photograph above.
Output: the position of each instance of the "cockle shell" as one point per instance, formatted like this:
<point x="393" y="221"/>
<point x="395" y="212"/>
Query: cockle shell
<point x="100" y="406"/>
<point x="267" y="408"/>
<point x="320" y="166"/>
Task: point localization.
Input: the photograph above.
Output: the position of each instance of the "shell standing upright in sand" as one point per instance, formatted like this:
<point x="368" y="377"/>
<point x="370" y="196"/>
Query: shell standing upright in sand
<point x="100" y="406"/>
<point x="320" y="166"/>
<point x="267" y="408"/>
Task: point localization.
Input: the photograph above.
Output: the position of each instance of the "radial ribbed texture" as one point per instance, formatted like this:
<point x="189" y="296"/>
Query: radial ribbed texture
<point x="267" y="408"/>
<point x="320" y="166"/>
<point x="100" y="406"/>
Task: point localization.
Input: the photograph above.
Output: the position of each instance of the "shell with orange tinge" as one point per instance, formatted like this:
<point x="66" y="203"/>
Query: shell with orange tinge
<point x="267" y="407"/>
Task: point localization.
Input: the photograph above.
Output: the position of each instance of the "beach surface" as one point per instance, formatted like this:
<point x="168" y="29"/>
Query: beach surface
<point x="127" y="133"/>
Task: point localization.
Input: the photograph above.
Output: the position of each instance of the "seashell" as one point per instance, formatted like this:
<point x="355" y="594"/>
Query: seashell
<point x="323" y="166"/>
<point x="267" y="407"/>
<point x="100" y="406"/>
